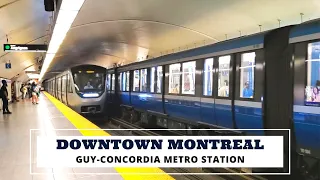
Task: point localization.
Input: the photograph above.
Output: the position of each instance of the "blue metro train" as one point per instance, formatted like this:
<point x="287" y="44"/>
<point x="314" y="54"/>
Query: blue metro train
<point x="269" y="80"/>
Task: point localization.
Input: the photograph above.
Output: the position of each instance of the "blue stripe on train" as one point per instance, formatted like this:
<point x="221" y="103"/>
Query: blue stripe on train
<point x="189" y="110"/>
<point x="305" y="29"/>
<point x="207" y="113"/>
<point x="249" y="118"/>
<point x="307" y="129"/>
<point x="217" y="114"/>
<point x="223" y="115"/>
<point x="147" y="101"/>
<point x="125" y="98"/>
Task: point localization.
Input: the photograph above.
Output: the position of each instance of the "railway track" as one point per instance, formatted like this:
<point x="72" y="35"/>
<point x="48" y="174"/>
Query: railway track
<point x="186" y="173"/>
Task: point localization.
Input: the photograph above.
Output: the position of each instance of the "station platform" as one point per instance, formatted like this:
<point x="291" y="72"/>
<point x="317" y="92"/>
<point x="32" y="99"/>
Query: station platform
<point x="17" y="153"/>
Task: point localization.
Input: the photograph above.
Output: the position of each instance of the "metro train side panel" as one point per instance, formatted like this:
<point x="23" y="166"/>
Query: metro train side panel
<point x="306" y="115"/>
<point x="278" y="69"/>
<point x="225" y="112"/>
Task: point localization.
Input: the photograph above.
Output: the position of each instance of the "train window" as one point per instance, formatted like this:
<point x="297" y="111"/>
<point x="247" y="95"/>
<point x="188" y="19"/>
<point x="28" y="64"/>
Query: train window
<point x="223" y="76"/>
<point x="119" y="82"/>
<point x="59" y="84"/>
<point x="152" y="79"/>
<point x="188" y="77"/>
<point x="113" y="82"/>
<point x="143" y="80"/>
<point x="136" y="78"/>
<point x="89" y="81"/>
<point x="207" y="77"/>
<point x="247" y="75"/>
<point x="123" y="80"/>
<point x="128" y="80"/>
<point x="64" y="83"/>
<point x="312" y="90"/>
<point x="109" y="82"/>
<point x="70" y="90"/>
<point x="174" y="78"/>
<point x="159" y="79"/>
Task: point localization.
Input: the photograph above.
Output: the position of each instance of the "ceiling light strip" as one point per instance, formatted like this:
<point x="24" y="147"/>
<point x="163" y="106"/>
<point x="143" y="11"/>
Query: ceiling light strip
<point x="33" y="76"/>
<point x="67" y="14"/>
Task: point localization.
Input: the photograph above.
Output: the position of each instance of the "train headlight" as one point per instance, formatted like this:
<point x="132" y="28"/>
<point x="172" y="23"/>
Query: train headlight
<point x="91" y="95"/>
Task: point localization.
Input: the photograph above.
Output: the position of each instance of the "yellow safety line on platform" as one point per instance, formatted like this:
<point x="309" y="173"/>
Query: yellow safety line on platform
<point x="82" y="123"/>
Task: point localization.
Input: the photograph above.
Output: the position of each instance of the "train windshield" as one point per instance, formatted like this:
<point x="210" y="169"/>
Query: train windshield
<point x="89" y="81"/>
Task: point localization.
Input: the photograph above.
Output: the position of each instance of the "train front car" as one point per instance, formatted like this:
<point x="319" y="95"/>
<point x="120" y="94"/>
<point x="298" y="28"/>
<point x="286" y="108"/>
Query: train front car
<point x="89" y="85"/>
<point x="306" y="110"/>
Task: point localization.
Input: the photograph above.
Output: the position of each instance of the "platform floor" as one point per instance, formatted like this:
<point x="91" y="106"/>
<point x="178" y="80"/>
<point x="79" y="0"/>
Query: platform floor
<point x="15" y="162"/>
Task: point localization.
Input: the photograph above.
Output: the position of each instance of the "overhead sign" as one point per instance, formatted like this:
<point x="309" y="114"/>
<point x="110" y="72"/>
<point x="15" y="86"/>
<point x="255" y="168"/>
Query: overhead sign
<point x="8" y="65"/>
<point x="25" y="47"/>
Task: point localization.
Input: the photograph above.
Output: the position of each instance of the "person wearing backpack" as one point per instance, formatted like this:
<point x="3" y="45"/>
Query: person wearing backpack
<point x="4" y="97"/>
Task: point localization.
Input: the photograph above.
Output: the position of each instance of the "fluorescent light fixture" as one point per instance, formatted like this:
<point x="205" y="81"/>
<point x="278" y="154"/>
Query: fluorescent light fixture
<point x="46" y="63"/>
<point x="71" y="5"/>
<point x="67" y="13"/>
<point x="66" y="17"/>
<point x="33" y="76"/>
<point x="91" y="95"/>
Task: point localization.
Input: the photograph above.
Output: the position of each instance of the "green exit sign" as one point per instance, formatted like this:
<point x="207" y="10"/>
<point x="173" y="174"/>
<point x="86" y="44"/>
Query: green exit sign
<point x="25" y="47"/>
<point x="7" y="47"/>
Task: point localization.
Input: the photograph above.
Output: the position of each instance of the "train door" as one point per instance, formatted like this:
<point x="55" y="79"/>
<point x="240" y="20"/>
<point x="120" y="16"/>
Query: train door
<point x="223" y="86"/>
<point x="52" y="87"/>
<point x="113" y="96"/>
<point x="55" y="92"/>
<point x="68" y="88"/>
<point x="60" y="84"/>
<point x="306" y="108"/>
<point x="207" y="98"/>
<point x="59" y="88"/>
<point x="64" y="89"/>
<point x="113" y="88"/>
<point x="248" y="113"/>
<point x="108" y="83"/>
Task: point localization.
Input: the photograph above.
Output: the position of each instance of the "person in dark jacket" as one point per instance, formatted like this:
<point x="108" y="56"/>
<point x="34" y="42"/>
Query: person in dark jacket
<point x="5" y="97"/>
<point x="29" y="90"/>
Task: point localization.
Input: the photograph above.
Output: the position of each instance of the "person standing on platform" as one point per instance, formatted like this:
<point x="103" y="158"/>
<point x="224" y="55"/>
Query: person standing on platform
<point x="21" y="90"/>
<point x="5" y="97"/>
<point x="24" y="92"/>
<point x="29" y="91"/>
<point x="34" y="89"/>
